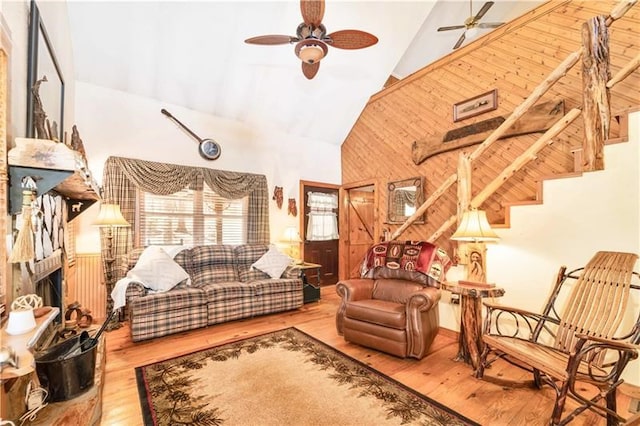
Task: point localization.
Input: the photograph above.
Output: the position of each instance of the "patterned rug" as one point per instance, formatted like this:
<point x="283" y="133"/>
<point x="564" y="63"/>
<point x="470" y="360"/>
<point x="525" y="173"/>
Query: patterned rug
<point x="284" y="377"/>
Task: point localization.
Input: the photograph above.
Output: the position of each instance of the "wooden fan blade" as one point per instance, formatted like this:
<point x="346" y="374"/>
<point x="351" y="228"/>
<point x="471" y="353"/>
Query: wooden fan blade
<point x="490" y="24"/>
<point x="459" y="42"/>
<point x="271" y="39"/>
<point x="312" y="11"/>
<point x="351" y="39"/>
<point x="484" y="9"/>
<point x="454" y="27"/>
<point x="310" y="70"/>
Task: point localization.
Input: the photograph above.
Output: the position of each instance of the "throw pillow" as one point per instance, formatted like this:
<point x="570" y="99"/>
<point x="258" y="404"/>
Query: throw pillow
<point x="272" y="263"/>
<point x="156" y="270"/>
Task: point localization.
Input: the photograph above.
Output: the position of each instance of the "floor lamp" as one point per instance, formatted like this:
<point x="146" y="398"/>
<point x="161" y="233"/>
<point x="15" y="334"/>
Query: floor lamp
<point x="475" y="231"/>
<point x="108" y="218"/>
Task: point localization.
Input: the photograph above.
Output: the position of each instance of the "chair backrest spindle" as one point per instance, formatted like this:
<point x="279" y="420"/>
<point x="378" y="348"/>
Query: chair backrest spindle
<point x="598" y="300"/>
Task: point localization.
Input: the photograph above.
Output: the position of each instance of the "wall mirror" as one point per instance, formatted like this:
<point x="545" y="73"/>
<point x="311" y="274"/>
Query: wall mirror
<point x="405" y="196"/>
<point x="42" y="62"/>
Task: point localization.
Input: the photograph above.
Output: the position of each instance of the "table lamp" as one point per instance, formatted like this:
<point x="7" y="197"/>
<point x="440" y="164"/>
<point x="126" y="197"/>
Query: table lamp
<point x="292" y="237"/>
<point x="474" y="229"/>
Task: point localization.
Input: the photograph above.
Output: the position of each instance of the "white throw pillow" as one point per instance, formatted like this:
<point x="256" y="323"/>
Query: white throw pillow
<point x="156" y="270"/>
<point x="273" y="263"/>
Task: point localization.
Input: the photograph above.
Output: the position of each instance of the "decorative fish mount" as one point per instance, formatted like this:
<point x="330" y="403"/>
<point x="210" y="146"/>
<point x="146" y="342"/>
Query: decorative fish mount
<point x="538" y="119"/>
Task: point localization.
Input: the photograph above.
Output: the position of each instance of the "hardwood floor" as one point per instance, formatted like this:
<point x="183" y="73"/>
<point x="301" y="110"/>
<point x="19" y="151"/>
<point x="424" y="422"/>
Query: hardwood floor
<point x="437" y="375"/>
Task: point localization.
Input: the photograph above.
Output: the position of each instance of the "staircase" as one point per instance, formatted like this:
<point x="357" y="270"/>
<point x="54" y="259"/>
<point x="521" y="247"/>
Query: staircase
<point x="597" y="122"/>
<point x="620" y="134"/>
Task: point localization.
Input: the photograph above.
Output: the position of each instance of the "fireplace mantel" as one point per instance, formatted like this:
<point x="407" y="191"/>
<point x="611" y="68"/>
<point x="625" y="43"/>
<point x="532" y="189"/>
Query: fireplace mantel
<point x="56" y="167"/>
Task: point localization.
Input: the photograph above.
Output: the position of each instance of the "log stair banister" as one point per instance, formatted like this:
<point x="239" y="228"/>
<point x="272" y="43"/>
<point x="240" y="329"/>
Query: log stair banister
<point x="624" y="72"/>
<point x="619" y="10"/>
<point x="527" y="156"/>
<point x="560" y="71"/>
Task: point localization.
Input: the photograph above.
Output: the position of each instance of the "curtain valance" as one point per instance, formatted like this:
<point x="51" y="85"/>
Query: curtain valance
<point x="122" y="177"/>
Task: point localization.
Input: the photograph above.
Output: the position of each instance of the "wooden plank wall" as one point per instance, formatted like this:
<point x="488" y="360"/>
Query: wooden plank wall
<point x="86" y="285"/>
<point x="514" y="59"/>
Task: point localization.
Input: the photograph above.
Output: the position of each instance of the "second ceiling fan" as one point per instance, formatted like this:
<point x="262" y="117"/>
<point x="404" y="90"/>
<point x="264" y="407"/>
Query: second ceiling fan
<point x="311" y="39"/>
<point x="472" y="22"/>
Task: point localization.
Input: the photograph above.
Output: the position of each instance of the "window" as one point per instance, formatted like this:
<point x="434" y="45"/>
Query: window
<point x="323" y="221"/>
<point x="190" y="217"/>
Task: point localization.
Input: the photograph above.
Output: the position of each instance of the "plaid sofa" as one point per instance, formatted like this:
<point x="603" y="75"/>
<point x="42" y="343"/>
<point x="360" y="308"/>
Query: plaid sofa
<point x="223" y="287"/>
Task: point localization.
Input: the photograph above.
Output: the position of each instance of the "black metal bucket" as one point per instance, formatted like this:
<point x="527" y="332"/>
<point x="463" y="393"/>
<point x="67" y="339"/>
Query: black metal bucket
<point x="64" y="376"/>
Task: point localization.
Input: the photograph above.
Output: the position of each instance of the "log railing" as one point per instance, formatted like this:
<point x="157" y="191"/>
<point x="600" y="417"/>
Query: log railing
<point x="591" y="144"/>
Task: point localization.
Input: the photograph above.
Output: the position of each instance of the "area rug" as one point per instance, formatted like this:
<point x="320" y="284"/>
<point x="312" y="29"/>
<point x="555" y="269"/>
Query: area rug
<point x="284" y="377"/>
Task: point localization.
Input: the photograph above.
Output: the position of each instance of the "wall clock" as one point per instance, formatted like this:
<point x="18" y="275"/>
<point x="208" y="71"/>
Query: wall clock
<point x="207" y="148"/>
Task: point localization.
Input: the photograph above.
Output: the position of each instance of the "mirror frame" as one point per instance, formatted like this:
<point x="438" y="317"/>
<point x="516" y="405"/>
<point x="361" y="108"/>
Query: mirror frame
<point x="39" y="50"/>
<point x="418" y="182"/>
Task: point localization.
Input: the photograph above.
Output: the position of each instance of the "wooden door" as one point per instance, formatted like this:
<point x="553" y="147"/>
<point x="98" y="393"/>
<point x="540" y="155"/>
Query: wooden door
<point x="359" y="219"/>
<point x="323" y="253"/>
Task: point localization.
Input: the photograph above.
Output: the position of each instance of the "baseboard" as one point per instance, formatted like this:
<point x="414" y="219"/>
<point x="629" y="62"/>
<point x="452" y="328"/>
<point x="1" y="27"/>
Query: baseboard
<point x="448" y="333"/>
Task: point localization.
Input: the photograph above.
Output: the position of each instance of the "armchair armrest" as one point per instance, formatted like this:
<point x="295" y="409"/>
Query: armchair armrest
<point x="355" y="289"/>
<point x="611" y="343"/>
<point x="515" y="322"/>
<point x="599" y="360"/>
<point x="135" y="289"/>
<point x="350" y="290"/>
<point x="497" y="306"/>
<point x="424" y="299"/>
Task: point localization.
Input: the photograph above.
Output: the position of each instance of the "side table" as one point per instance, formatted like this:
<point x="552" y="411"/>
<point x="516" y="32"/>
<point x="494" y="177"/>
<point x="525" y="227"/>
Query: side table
<point x="310" y="290"/>
<point x="470" y="344"/>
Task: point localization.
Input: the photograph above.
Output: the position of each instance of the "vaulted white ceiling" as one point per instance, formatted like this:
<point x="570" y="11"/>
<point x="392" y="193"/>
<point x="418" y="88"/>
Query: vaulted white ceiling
<point x="192" y="54"/>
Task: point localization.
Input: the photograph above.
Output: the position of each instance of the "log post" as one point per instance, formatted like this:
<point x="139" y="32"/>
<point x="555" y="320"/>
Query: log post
<point x="595" y="75"/>
<point x="464" y="200"/>
<point x="464" y="184"/>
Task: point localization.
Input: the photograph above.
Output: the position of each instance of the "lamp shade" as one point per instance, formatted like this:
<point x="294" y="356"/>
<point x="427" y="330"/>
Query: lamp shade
<point x="110" y="215"/>
<point x="474" y="227"/>
<point x="291" y="234"/>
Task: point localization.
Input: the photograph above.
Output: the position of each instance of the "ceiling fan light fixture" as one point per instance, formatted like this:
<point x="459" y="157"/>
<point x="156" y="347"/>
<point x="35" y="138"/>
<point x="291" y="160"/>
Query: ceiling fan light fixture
<point x="472" y="32"/>
<point x="311" y="51"/>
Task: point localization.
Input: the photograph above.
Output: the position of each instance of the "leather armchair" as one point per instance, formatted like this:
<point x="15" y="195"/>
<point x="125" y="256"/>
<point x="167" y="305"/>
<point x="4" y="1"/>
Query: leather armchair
<point x="392" y="315"/>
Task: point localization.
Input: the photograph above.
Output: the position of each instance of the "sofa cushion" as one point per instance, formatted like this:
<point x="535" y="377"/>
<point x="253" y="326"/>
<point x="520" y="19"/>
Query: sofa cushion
<point x="176" y="299"/>
<point x="219" y="292"/>
<point x="156" y="270"/>
<point x="246" y="255"/>
<point x="271" y="286"/>
<point x="273" y="263"/>
<point x="212" y="264"/>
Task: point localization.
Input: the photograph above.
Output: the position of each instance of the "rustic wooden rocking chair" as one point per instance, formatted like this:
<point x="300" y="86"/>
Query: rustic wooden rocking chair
<point x="577" y="345"/>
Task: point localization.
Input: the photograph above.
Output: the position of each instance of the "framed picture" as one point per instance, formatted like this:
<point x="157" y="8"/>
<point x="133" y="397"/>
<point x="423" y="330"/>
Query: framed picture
<point x="42" y="63"/>
<point x="475" y="106"/>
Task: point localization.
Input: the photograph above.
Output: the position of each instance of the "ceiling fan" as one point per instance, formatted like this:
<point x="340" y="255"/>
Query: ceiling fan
<point x="472" y="22"/>
<point x="312" y="41"/>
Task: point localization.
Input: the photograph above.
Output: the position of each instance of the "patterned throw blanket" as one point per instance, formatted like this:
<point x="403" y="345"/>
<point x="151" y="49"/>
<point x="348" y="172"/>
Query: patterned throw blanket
<point x="418" y="256"/>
